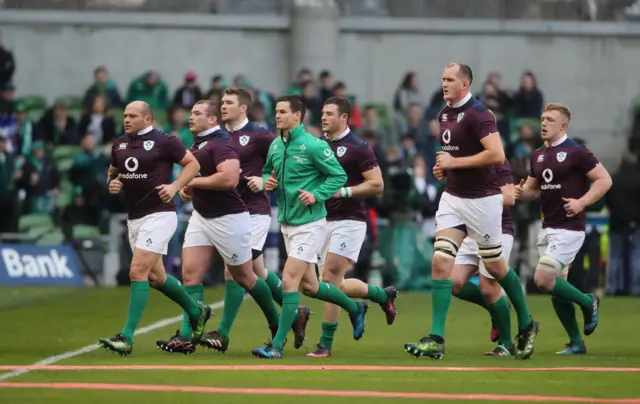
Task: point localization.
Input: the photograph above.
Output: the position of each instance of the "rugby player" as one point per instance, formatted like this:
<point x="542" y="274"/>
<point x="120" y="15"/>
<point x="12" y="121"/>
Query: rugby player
<point x="142" y="164"/>
<point x="220" y="220"/>
<point x="470" y="206"/>
<point x="304" y="173"/>
<point x="560" y="173"/>
<point x="346" y="220"/>
<point x="468" y="263"/>
<point x="252" y="145"/>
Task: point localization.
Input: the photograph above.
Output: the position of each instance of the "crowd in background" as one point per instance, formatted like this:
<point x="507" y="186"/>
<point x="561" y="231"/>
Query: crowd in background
<point x="35" y="177"/>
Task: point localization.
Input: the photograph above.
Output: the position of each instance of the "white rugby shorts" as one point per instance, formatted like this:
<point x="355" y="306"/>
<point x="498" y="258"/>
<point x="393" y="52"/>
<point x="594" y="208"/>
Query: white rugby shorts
<point x="259" y="230"/>
<point x="470" y="255"/>
<point x="303" y="242"/>
<point x="229" y="234"/>
<point x="152" y="232"/>
<point x="560" y="244"/>
<point x="482" y="217"/>
<point x="343" y="238"/>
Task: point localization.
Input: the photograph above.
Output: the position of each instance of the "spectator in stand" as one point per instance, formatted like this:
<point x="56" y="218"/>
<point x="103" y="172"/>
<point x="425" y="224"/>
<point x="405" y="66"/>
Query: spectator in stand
<point x="151" y="89"/>
<point x="7" y="64"/>
<point x="104" y="87"/>
<point x="258" y="116"/>
<point x="528" y="101"/>
<point x="25" y="134"/>
<point x="58" y="128"/>
<point x="528" y="141"/>
<point x="412" y="124"/>
<point x="304" y="76"/>
<point x="340" y="90"/>
<point x="634" y="139"/>
<point x="7" y="99"/>
<point x="217" y="86"/>
<point x="40" y="180"/>
<point x="80" y="212"/>
<point x="88" y="168"/>
<point x="407" y="93"/>
<point x="177" y="126"/>
<point x="491" y="97"/>
<point x="370" y="138"/>
<point x="326" y="85"/>
<point x="623" y="200"/>
<point x="8" y="176"/>
<point x="189" y="93"/>
<point x="313" y="103"/>
<point x="98" y="120"/>
<point x="371" y="124"/>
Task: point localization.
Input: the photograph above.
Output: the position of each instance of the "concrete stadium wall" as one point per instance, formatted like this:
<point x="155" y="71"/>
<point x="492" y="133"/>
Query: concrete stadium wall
<point x="591" y="67"/>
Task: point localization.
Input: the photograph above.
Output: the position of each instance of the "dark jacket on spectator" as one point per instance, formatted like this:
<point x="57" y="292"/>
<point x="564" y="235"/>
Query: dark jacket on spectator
<point x="7" y="66"/>
<point x="185" y="100"/>
<point x="109" y="91"/>
<point x="51" y="134"/>
<point x="528" y="104"/>
<point x="108" y="126"/>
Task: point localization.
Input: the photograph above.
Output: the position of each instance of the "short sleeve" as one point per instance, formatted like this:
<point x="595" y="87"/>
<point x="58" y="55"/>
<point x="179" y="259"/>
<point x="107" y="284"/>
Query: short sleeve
<point x="505" y="175"/>
<point x="366" y="159"/>
<point x="174" y="149"/>
<point x="586" y="160"/>
<point x="222" y="152"/>
<point x="485" y="124"/>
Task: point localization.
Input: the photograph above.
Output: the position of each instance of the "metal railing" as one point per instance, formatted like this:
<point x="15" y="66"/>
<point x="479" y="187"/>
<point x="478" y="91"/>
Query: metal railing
<point x="566" y="10"/>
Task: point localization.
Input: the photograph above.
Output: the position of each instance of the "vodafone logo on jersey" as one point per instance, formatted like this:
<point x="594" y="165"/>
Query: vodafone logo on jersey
<point x="547" y="176"/>
<point x="446" y="139"/>
<point x="132" y="164"/>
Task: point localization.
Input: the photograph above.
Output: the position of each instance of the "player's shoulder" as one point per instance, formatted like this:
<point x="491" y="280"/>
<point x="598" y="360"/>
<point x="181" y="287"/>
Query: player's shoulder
<point x="480" y="110"/>
<point x="574" y="144"/>
<point x="355" y="141"/>
<point x="222" y="135"/>
<point x="256" y="129"/>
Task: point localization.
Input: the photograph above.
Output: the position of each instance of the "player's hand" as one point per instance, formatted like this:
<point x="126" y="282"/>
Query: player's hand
<point x="573" y="207"/>
<point x="271" y="183"/>
<point x="519" y="189"/>
<point x="444" y="160"/>
<point x="115" y="185"/>
<point x="185" y="194"/>
<point x="256" y="184"/>
<point x="306" y="197"/>
<point x="438" y="172"/>
<point x="166" y="192"/>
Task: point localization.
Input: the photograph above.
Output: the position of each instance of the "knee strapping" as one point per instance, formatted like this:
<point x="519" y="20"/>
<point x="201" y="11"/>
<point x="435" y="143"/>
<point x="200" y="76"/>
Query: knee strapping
<point x="490" y="253"/>
<point x="446" y="247"/>
<point x="549" y="264"/>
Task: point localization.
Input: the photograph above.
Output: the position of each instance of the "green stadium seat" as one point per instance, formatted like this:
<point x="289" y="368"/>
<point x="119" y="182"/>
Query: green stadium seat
<point x="66" y="152"/>
<point x="81" y="230"/>
<point x="76" y="113"/>
<point x="51" y="238"/>
<point x="33" y="101"/>
<point x="161" y="117"/>
<point x="72" y="101"/>
<point x="118" y="116"/>
<point x="35" y="114"/>
<point x="34" y="221"/>
<point x="64" y="164"/>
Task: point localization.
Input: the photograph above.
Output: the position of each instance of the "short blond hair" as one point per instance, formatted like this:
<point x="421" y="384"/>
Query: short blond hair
<point x="555" y="106"/>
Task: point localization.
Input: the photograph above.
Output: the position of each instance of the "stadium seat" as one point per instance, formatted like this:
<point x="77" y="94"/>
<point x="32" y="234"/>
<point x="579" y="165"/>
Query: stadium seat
<point x="65" y="152"/>
<point x="33" y="221"/>
<point x="35" y="114"/>
<point x="73" y="102"/>
<point x="64" y="164"/>
<point x="33" y="101"/>
<point x="82" y="231"/>
<point x="51" y="238"/>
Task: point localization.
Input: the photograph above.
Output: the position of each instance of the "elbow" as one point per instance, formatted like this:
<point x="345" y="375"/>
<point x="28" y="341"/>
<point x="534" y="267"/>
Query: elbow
<point x="195" y="165"/>
<point x="378" y="188"/>
<point x="231" y="181"/>
<point x="498" y="156"/>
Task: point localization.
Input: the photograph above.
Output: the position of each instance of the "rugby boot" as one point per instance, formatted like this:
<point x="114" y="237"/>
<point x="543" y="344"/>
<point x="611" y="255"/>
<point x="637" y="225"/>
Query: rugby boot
<point x="177" y="344"/>
<point x="427" y="346"/>
<point x="591" y="315"/>
<point x="389" y="307"/>
<point x="118" y="343"/>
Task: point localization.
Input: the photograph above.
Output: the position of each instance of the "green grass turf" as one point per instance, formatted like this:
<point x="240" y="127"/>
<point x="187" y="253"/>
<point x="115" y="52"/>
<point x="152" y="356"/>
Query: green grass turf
<point x="59" y="324"/>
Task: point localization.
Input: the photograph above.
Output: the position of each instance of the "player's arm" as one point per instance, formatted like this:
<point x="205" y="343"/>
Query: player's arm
<point x="601" y="183"/>
<point x="508" y="194"/>
<point x="529" y="190"/>
<point x="371" y="186"/>
<point x="492" y="154"/>
<point x="268" y="167"/>
<point x="326" y="162"/>
<point x="226" y="177"/>
<point x="190" y="168"/>
<point x="112" y="173"/>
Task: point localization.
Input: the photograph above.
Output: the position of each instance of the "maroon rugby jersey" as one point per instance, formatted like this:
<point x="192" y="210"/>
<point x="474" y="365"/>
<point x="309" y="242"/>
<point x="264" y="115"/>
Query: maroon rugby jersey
<point x="505" y="176"/>
<point x="212" y="148"/>
<point x="355" y="157"/>
<point x="461" y="129"/>
<point x="561" y="171"/>
<point x="252" y="145"/>
<point x="145" y="161"/>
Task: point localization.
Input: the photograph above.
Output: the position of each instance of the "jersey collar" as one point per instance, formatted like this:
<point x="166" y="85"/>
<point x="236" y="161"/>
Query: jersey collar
<point x="239" y="126"/>
<point x="461" y="102"/>
<point x="145" y="130"/>
<point x="559" y="141"/>
<point x="340" y="136"/>
<point x="209" y="131"/>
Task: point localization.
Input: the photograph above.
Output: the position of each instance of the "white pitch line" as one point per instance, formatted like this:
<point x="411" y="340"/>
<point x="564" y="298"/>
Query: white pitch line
<point x="89" y="348"/>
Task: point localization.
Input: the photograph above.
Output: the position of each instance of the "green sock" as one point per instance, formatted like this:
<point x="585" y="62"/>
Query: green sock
<point x="501" y="315"/>
<point x="567" y="315"/>
<point x="138" y="298"/>
<point x="470" y="292"/>
<point x="290" y="302"/>
<point x="262" y="295"/>
<point x="441" y="299"/>
<point x="569" y="292"/>
<point x="174" y="290"/>
<point x="331" y="294"/>
<point x="512" y="287"/>
<point x="276" y="287"/>
<point x="376" y="295"/>
<point x="328" y="330"/>
<point x="197" y="293"/>
<point x="233" y="297"/>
